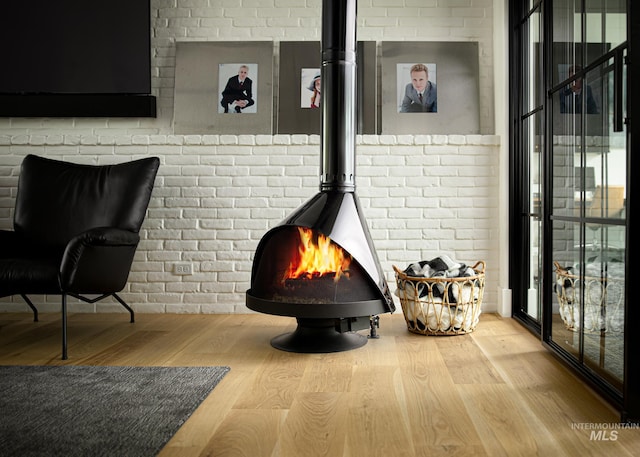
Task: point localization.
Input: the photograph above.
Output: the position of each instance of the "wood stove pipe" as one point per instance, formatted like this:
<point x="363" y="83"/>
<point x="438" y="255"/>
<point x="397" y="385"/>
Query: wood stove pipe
<point x="338" y="96"/>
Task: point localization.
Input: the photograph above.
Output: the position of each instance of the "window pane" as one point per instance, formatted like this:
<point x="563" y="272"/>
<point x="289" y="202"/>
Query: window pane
<point x="605" y="150"/>
<point x="533" y="138"/>
<point x="606" y="22"/>
<point x="603" y="301"/>
<point x="532" y="65"/>
<point x="567" y="36"/>
<point x="591" y="167"/>
<point x="588" y="297"/>
<point x="566" y="192"/>
<point x="565" y="318"/>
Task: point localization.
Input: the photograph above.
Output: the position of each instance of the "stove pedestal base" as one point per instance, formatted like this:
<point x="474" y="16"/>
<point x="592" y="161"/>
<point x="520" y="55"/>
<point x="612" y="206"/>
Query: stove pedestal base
<point x="315" y="336"/>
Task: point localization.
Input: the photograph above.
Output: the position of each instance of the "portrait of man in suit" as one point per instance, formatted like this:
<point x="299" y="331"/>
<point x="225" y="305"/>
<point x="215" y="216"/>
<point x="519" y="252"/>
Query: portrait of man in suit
<point x="420" y="94"/>
<point x="237" y="94"/>
<point x="572" y="95"/>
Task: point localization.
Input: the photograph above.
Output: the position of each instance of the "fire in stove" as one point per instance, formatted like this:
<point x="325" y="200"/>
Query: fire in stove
<point x="318" y="257"/>
<point x="318" y="273"/>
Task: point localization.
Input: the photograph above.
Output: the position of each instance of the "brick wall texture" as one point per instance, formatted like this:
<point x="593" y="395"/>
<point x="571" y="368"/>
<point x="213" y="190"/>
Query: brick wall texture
<point x="216" y="195"/>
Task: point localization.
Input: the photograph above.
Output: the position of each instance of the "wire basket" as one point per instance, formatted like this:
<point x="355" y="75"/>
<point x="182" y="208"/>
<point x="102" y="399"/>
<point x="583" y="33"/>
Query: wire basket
<point x="441" y="306"/>
<point x="603" y="301"/>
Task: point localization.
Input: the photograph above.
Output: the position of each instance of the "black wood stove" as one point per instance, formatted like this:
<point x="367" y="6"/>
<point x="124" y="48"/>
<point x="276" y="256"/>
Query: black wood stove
<point x="319" y="265"/>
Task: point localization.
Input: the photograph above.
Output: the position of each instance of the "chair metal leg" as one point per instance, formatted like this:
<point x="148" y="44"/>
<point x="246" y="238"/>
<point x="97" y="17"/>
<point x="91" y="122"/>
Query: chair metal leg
<point x="64" y="327"/>
<point x="86" y="300"/>
<point x="122" y="302"/>
<point x="33" y="308"/>
<point x="101" y="297"/>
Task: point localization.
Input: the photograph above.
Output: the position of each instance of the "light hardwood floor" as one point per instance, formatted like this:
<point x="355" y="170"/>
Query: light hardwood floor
<point x="495" y="392"/>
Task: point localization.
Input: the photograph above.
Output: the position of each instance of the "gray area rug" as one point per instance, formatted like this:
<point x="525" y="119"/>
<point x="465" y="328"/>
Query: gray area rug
<point x="97" y="411"/>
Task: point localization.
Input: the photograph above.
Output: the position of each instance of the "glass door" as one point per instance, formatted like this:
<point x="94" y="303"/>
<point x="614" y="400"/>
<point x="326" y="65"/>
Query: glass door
<point x="571" y="186"/>
<point x="588" y="150"/>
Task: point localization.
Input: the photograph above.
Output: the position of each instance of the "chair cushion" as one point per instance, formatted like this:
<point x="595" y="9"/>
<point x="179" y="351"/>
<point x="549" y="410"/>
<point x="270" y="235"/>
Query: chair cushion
<point x="35" y="275"/>
<point x="58" y="200"/>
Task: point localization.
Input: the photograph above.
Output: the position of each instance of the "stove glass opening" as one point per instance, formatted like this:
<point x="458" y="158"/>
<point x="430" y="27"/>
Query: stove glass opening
<point x="301" y="265"/>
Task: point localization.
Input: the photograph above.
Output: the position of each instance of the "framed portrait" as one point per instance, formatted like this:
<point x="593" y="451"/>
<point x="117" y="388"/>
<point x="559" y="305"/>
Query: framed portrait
<point x="299" y="64"/>
<point x="368" y="94"/>
<point x="223" y="88"/>
<point x="430" y="87"/>
<point x="300" y="85"/>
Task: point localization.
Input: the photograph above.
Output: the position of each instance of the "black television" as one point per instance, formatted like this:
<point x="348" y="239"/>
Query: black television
<point x="76" y="58"/>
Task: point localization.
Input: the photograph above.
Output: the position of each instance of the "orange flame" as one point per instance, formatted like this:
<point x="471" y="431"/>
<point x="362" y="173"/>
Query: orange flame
<point x="320" y="258"/>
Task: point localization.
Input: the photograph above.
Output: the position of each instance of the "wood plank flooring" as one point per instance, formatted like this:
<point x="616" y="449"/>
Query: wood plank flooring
<point x="495" y="392"/>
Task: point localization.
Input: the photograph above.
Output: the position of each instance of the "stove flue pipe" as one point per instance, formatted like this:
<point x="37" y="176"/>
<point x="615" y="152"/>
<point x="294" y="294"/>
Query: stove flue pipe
<point x="338" y="95"/>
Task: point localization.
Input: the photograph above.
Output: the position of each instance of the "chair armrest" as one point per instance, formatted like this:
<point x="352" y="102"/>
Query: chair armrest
<point x="105" y="236"/>
<point x="98" y="260"/>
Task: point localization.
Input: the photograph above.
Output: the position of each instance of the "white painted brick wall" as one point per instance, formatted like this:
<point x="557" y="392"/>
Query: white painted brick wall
<point x="216" y="195"/>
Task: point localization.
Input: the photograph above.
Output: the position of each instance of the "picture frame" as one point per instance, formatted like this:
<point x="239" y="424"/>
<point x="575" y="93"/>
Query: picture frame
<point x="455" y="66"/>
<point x="300" y="64"/>
<point x="203" y="70"/>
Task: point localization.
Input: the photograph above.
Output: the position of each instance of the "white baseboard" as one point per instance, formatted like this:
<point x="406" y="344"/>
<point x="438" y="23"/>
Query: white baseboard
<point x="504" y="302"/>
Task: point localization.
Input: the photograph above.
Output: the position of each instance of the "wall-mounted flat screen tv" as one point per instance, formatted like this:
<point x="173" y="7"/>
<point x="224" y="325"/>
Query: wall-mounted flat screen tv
<point x="76" y="58"/>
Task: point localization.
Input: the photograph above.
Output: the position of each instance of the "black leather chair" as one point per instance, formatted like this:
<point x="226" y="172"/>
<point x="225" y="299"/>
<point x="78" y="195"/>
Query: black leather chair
<point x="76" y="230"/>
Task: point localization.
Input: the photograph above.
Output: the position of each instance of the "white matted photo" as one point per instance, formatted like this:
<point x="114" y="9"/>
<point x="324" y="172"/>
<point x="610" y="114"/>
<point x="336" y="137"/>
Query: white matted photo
<point x="443" y="74"/>
<point x="214" y="77"/>
<point x="298" y="111"/>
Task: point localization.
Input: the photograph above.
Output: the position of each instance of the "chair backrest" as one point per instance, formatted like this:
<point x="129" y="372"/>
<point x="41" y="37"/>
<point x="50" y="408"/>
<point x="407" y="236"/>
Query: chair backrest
<point x="57" y="200"/>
